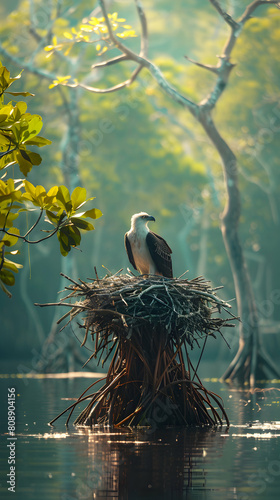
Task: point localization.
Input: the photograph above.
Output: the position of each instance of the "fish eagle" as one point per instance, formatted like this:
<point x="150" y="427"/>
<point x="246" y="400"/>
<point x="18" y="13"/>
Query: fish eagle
<point x="147" y="251"/>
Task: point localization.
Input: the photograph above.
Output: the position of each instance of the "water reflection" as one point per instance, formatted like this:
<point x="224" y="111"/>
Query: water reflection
<point x="139" y="464"/>
<point x="240" y="463"/>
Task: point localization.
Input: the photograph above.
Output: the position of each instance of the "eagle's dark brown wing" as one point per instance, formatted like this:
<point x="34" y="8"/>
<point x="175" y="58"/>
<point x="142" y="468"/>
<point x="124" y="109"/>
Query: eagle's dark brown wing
<point x="129" y="251"/>
<point x="161" y="253"/>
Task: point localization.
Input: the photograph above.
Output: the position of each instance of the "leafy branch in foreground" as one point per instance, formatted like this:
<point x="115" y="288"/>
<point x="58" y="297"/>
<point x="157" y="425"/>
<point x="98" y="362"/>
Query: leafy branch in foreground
<point x="18" y="129"/>
<point x="62" y="210"/>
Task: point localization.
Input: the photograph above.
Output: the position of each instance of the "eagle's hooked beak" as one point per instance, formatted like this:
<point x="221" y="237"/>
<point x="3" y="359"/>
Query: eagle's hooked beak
<point x="151" y="218"/>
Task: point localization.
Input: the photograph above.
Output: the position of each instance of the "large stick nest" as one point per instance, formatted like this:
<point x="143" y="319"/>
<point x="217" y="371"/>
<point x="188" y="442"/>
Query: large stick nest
<point x="125" y="306"/>
<point x="147" y="324"/>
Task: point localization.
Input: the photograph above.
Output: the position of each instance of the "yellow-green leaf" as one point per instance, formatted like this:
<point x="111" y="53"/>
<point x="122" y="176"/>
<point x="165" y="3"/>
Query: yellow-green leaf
<point x="7" y="277"/>
<point x="103" y="50"/>
<point x="25" y="94"/>
<point x="68" y="35"/>
<point x="78" y="197"/>
<point x="63" y="197"/>
<point x="82" y="224"/>
<point x="10" y="239"/>
<point x="94" y="213"/>
<point x="37" y="141"/>
<point x="12" y="266"/>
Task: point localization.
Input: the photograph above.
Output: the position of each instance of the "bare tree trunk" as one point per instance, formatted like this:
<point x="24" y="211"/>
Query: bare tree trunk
<point x="250" y="361"/>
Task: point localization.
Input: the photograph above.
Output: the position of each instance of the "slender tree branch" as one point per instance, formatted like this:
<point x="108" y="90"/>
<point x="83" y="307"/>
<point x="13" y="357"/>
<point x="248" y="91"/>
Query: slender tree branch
<point x="142" y="62"/>
<point x="42" y="41"/>
<point x="220" y="85"/>
<point x="96" y="90"/>
<point x="131" y="55"/>
<point x="253" y="6"/>
<point x="127" y="54"/>
<point x="73" y="306"/>
<point x="214" y="69"/>
<point x="110" y="62"/>
<point x="228" y="19"/>
<point x="102" y="91"/>
<point x="144" y="28"/>
<point x="7" y="215"/>
<point x="32" y="69"/>
<point x="226" y="66"/>
<point x="2" y="257"/>
<point x="4" y="153"/>
<point x="230" y="43"/>
<point x="35" y="224"/>
<point x="125" y="50"/>
<point x="28" y="241"/>
<point x="168" y="89"/>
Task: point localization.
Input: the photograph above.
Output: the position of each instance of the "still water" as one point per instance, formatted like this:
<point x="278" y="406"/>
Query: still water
<point x="242" y="462"/>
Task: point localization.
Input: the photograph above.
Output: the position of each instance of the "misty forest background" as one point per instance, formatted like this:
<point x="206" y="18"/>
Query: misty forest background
<point x="137" y="150"/>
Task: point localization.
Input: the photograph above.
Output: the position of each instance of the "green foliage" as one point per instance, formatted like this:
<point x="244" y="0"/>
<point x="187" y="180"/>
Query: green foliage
<point x="95" y="31"/>
<point x="18" y="129"/>
<point x="62" y="211"/>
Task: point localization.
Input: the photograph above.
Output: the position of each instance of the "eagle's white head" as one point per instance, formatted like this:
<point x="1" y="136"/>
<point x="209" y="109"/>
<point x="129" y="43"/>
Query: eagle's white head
<point x="141" y="220"/>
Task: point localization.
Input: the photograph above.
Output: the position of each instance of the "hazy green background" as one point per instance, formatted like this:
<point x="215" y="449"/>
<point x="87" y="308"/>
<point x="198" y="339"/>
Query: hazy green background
<point x="152" y="156"/>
